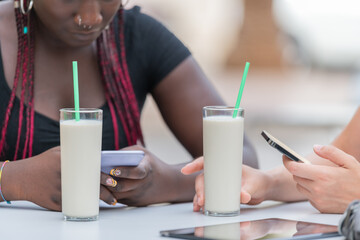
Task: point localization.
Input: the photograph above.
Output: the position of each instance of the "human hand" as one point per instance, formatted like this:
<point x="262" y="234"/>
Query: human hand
<point x="38" y="180"/>
<point x="329" y="188"/>
<point x="148" y="183"/>
<point x="254" y="184"/>
<point x="193" y="167"/>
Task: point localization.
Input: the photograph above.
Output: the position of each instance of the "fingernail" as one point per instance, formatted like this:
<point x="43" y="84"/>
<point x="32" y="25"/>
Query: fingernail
<point x="198" y="201"/>
<point x="111" y="182"/>
<point x="114" y="202"/>
<point x="115" y="172"/>
<point x="318" y="147"/>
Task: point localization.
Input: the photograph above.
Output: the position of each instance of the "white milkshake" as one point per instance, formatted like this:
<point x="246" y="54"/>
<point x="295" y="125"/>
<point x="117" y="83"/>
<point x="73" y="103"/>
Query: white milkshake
<point x="80" y="168"/>
<point x="223" y="149"/>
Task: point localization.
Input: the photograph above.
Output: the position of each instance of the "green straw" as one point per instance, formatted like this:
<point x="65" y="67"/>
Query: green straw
<point x="247" y="65"/>
<point x="76" y="90"/>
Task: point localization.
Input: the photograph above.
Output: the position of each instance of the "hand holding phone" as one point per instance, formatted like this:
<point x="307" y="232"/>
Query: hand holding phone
<point x="277" y="144"/>
<point x="116" y="158"/>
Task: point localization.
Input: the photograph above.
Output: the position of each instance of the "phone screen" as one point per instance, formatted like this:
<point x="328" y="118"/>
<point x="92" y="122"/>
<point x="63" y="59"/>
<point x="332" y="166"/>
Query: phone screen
<point x="272" y="228"/>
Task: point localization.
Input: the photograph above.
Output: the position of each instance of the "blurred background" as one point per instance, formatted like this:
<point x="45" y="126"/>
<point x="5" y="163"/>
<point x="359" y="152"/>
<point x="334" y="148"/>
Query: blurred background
<point x="304" y="80"/>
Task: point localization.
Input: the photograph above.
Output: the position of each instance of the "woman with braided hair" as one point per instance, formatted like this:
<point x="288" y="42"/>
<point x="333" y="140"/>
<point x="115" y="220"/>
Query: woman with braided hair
<point x="123" y="55"/>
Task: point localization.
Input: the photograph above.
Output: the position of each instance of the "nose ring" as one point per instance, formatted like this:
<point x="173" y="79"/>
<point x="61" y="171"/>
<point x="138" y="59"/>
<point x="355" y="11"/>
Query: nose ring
<point x="86" y="27"/>
<point x="83" y="26"/>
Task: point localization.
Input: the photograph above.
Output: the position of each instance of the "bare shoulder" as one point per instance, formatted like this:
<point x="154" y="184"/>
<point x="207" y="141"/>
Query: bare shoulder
<point x="6" y="10"/>
<point x="8" y="39"/>
<point x="7" y="20"/>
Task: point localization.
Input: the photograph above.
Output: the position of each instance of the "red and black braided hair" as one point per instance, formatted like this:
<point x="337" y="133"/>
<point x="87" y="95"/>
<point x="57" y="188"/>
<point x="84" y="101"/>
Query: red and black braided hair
<point x="119" y="92"/>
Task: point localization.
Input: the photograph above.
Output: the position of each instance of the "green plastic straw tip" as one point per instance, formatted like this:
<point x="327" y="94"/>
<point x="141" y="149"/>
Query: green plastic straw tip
<point x="247" y="65"/>
<point x="76" y="90"/>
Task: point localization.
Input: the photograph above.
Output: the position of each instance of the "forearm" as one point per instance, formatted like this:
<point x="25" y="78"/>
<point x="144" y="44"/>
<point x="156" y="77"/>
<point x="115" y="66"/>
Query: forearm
<point x="249" y="154"/>
<point x="282" y="186"/>
<point x="348" y="140"/>
<point x="183" y="187"/>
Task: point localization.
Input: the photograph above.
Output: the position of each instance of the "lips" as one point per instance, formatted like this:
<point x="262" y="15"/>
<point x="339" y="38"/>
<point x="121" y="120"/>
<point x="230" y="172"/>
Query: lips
<point x="87" y="32"/>
<point x="86" y="35"/>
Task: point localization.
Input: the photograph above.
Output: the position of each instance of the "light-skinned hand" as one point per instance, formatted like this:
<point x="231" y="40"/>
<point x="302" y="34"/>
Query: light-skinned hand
<point x="254" y="184"/>
<point x="329" y="188"/>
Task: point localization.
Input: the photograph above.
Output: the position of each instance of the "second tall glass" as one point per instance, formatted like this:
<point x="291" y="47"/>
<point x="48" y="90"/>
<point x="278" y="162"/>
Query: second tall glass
<point x="223" y="133"/>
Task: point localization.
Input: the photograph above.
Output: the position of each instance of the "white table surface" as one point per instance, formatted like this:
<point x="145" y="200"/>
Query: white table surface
<point x="24" y="220"/>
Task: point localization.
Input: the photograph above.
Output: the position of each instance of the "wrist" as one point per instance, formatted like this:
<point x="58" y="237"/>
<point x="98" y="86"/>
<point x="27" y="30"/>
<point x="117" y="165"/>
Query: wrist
<point x="272" y="180"/>
<point x="1" y="171"/>
<point x="10" y="186"/>
<point x="184" y="185"/>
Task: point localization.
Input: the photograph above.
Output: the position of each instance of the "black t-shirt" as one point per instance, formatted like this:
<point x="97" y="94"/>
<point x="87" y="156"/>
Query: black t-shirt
<point x="152" y="52"/>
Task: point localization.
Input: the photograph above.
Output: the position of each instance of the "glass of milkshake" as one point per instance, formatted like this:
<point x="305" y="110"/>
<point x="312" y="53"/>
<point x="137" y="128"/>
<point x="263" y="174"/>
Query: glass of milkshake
<point x="80" y="142"/>
<point x="223" y="134"/>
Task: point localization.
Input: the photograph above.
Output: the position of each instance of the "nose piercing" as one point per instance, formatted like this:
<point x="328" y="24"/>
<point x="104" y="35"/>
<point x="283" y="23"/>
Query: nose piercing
<point x="79" y="20"/>
<point x="87" y="27"/>
<point x="84" y="26"/>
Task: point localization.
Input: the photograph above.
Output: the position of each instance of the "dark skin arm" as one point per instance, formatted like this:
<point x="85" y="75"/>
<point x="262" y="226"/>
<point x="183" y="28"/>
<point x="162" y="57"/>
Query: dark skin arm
<point x="38" y="180"/>
<point x="180" y="98"/>
<point x="182" y="109"/>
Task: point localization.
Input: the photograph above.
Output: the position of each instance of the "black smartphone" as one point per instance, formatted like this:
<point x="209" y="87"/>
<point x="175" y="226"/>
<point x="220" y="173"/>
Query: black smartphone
<point x="280" y="146"/>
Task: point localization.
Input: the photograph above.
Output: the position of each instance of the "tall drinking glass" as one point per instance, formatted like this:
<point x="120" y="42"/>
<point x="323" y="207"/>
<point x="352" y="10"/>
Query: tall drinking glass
<point x="80" y="142"/>
<point x="223" y="147"/>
